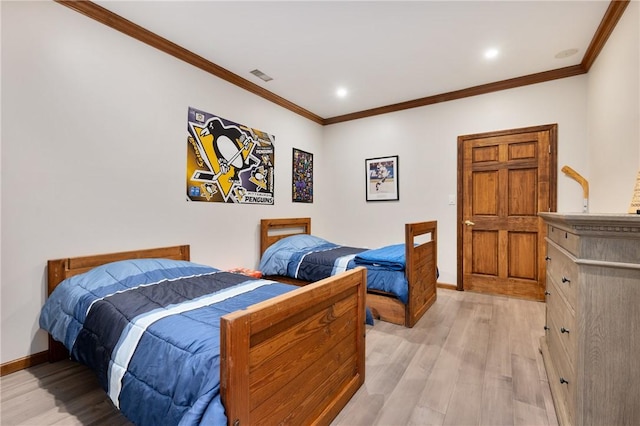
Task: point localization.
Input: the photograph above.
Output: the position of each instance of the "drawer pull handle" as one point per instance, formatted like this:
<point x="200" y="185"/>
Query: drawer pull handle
<point x="546" y="293"/>
<point x="546" y="328"/>
<point x="563" y="381"/>
<point x="547" y="258"/>
<point x="566" y="280"/>
<point x="563" y="330"/>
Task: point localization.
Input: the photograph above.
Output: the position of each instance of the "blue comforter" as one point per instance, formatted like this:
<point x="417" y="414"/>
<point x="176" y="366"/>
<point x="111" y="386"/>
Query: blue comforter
<point x="150" y="329"/>
<point x="309" y="258"/>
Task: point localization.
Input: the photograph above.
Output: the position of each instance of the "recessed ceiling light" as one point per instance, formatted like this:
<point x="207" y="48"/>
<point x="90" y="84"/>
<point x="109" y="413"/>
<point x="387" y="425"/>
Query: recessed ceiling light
<point x="341" y="92"/>
<point x="491" y="53"/>
<point x="261" y="75"/>
<point x="566" y="53"/>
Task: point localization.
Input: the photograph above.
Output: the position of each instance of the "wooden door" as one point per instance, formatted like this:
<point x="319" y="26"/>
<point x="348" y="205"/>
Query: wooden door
<point x="504" y="179"/>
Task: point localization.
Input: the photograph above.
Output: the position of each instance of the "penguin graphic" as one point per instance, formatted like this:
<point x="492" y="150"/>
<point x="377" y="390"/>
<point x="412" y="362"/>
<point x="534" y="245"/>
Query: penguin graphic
<point x="228" y="144"/>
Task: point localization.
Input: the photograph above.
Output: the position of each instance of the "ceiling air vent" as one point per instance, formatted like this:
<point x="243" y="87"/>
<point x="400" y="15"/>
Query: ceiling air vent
<point x="261" y="75"/>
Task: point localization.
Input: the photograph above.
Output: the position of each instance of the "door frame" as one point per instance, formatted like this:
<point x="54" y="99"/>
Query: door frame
<point x="553" y="180"/>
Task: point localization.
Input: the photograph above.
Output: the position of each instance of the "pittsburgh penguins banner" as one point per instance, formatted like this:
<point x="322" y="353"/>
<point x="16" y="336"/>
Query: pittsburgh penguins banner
<point x="228" y="162"/>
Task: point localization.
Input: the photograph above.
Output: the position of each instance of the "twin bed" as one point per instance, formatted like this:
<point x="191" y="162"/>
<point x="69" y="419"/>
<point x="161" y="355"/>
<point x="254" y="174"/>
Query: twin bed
<point x="284" y="354"/>
<point x="286" y="246"/>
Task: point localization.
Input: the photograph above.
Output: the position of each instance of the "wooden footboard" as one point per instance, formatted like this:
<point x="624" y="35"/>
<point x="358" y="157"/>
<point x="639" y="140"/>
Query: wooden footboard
<point x="421" y="261"/>
<point x="297" y="358"/>
<point x="421" y="269"/>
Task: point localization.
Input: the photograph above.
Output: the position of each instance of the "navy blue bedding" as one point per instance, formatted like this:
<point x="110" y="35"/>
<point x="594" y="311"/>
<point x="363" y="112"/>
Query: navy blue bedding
<point x="321" y="262"/>
<point x="150" y="328"/>
<point x="310" y="258"/>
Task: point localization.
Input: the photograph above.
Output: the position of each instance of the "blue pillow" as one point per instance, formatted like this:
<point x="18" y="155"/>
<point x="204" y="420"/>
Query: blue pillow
<point x="276" y="258"/>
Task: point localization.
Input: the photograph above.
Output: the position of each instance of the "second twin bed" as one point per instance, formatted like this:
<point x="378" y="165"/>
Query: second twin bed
<point x="401" y="278"/>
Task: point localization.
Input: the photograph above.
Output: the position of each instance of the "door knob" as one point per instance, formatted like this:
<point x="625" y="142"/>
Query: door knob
<point x="469" y="223"/>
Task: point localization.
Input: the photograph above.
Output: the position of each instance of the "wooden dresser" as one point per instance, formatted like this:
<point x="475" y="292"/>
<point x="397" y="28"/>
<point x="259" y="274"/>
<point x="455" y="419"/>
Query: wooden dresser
<point x="591" y="347"/>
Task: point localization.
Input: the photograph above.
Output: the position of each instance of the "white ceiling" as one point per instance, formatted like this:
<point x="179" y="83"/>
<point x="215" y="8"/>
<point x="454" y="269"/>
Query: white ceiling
<point x="382" y="52"/>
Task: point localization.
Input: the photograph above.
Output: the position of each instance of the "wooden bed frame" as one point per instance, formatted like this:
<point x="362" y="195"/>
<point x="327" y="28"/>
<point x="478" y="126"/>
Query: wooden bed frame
<point x="295" y="358"/>
<point x="421" y="261"/>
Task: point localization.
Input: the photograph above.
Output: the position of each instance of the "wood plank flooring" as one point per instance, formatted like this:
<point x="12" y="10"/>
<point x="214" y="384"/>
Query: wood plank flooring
<point x="473" y="359"/>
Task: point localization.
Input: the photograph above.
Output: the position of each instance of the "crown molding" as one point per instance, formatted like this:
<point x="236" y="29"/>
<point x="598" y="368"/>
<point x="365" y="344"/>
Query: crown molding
<point x="609" y="21"/>
<point x="464" y="93"/>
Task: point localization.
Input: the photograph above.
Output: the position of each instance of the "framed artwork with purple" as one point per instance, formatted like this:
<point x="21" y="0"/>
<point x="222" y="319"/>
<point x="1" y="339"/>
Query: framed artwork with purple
<point x="302" y="177"/>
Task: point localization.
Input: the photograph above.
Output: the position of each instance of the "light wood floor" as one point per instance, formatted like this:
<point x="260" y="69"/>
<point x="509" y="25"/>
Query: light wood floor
<point x="473" y="359"/>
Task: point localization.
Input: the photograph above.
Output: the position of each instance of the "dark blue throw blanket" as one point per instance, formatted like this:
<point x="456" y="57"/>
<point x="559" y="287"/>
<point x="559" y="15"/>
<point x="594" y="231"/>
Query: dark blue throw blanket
<point x="324" y="261"/>
<point x="391" y="258"/>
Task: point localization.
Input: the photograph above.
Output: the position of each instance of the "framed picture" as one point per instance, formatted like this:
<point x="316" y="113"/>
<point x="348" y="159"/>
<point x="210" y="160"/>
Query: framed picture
<point x="302" y="177"/>
<point x="382" y="178"/>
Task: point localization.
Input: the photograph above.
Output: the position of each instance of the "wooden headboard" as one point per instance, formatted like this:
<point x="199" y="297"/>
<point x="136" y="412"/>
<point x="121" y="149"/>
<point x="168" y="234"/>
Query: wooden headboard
<point x="272" y="230"/>
<point x="60" y="269"/>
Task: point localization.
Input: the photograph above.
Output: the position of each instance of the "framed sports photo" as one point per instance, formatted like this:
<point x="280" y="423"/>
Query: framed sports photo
<point x="382" y="179"/>
<point x="302" y="177"/>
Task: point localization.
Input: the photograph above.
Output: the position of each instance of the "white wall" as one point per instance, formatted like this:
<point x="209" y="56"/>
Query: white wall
<point x="426" y="141"/>
<point x="94" y="156"/>
<point x="614" y="117"/>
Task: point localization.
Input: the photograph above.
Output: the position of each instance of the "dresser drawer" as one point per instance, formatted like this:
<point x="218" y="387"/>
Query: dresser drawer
<point x="563" y="361"/>
<point x="562" y="381"/>
<point x="564" y="239"/>
<point x="563" y="271"/>
<point x="561" y="322"/>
